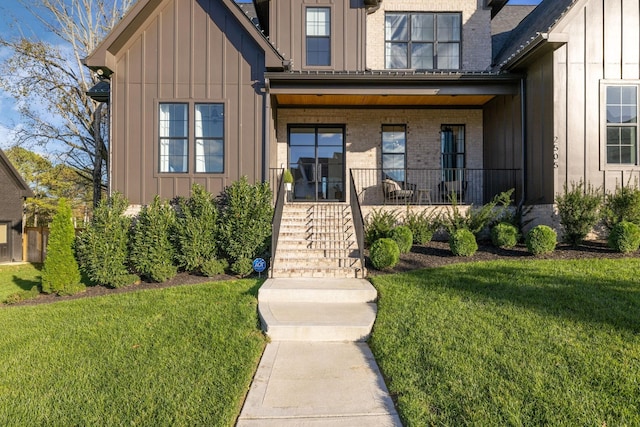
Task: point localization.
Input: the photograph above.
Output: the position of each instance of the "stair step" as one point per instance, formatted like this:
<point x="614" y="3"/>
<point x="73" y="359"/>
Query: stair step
<point x="315" y="272"/>
<point x="306" y="321"/>
<point x="318" y="291"/>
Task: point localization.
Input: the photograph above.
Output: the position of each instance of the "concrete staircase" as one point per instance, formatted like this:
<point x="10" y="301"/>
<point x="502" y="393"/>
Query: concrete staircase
<point x="314" y="309"/>
<point x="317" y="240"/>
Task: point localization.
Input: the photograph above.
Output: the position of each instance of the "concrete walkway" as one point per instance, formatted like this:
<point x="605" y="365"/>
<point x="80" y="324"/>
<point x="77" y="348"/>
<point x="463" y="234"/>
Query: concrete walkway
<point x="311" y="382"/>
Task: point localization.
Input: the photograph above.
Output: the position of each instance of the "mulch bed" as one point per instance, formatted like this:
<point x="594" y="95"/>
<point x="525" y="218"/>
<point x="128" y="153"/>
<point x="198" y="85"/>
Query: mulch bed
<point x="434" y="254"/>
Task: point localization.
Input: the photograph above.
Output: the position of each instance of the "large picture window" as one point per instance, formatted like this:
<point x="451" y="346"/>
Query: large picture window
<point x="423" y="40"/>
<point x="622" y="125"/>
<point x="176" y="142"/>
<point x="318" y="36"/>
<point x="394" y="149"/>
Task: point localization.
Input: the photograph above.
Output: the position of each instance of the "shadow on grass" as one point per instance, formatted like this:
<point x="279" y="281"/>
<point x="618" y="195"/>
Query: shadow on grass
<point x="571" y="293"/>
<point x="25" y="284"/>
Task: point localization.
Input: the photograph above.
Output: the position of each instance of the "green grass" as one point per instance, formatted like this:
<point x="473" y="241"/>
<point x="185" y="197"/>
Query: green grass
<point x="180" y="356"/>
<point x="17" y="278"/>
<point x="513" y="343"/>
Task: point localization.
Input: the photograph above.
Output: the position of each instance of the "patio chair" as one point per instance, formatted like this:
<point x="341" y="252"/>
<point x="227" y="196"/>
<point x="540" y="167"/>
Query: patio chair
<point x="393" y="192"/>
<point x="452" y="189"/>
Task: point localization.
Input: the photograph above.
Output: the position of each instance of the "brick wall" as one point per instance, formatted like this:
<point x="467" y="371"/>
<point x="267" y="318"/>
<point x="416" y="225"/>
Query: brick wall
<point x="476" y="30"/>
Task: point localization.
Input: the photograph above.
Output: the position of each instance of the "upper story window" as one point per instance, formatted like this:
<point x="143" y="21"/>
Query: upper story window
<point x="622" y="125"/>
<point x="423" y="40"/>
<point x="175" y="143"/>
<point x="318" y="36"/>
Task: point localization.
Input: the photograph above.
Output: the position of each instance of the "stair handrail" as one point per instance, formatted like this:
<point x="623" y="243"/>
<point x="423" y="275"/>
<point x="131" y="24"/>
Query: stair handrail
<point x="358" y="221"/>
<point x="277" y="218"/>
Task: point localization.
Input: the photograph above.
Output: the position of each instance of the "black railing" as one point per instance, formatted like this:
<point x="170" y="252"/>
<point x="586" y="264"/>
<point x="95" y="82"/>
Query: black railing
<point x="358" y="221"/>
<point x="433" y="186"/>
<point x="276" y="182"/>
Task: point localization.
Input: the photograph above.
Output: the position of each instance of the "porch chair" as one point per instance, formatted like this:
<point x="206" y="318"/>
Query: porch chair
<point x="393" y="192"/>
<point x="450" y="189"/>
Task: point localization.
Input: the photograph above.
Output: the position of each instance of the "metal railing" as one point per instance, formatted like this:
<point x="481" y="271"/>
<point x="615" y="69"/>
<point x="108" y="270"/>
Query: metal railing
<point x="277" y="183"/>
<point x="376" y="187"/>
<point x="358" y="221"/>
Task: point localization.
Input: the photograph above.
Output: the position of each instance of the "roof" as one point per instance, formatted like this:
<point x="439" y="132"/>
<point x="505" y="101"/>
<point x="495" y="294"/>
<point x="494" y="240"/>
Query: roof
<point x="102" y="57"/>
<point x="25" y="191"/>
<point x="502" y="25"/>
<point x="530" y="30"/>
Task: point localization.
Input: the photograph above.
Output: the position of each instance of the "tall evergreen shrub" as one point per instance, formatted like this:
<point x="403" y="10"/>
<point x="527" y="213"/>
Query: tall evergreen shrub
<point x="622" y="205"/>
<point x="246" y="214"/>
<point x="60" y="273"/>
<point x="196" y="230"/>
<point x="579" y="211"/>
<point x="103" y="247"/>
<point x="152" y="252"/>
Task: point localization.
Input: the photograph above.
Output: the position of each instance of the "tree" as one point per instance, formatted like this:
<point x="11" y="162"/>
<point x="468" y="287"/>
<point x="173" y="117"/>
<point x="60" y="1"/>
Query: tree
<point x="49" y="81"/>
<point x="49" y="183"/>
<point x="60" y="273"/>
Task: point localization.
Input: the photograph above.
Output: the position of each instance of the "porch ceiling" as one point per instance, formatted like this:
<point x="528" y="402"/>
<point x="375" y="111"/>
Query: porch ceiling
<point x="380" y="100"/>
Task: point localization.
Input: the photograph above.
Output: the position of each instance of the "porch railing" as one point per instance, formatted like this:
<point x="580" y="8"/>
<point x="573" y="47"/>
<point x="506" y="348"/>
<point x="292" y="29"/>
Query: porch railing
<point x="433" y="186"/>
<point x="358" y="221"/>
<point x="277" y="186"/>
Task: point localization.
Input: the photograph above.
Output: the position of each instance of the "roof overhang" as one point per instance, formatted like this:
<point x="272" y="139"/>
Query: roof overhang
<point x="22" y="186"/>
<point x="384" y="89"/>
<point x="537" y="47"/>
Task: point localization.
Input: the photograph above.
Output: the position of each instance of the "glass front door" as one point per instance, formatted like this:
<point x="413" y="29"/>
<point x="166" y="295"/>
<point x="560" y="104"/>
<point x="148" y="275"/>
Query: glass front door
<point x="316" y="160"/>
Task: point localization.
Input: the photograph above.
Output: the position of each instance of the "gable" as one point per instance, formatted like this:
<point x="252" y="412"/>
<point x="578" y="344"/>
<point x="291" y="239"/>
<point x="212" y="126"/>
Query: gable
<point x="11" y="175"/>
<point x="145" y="11"/>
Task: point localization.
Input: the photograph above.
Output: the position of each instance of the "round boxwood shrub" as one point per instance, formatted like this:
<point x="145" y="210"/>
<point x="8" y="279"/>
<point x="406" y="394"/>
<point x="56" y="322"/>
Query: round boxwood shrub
<point x="463" y="243"/>
<point x="242" y="267"/>
<point x="625" y="237"/>
<point x="541" y="239"/>
<point x="504" y="235"/>
<point x="384" y="253"/>
<point x="403" y="237"/>
<point x="214" y="266"/>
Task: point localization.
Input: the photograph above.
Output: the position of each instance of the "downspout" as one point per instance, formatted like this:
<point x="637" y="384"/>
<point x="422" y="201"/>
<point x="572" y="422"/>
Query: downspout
<point x="523" y="141"/>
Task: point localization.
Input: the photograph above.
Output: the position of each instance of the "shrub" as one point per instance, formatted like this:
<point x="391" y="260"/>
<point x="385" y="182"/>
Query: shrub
<point x="195" y="230"/>
<point x="242" y="267"/>
<point x="463" y="243"/>
<point x="384" y="253"/>
<point x="403" y="237"/>
<point x="245" y="220"/>
<point x="378" y="225"/>
<point x="504" y="235"/>
<point x="60" y="273"/>
<point x="422" y="225"/>
<point x="103" y="247"/>
<point x="622" y="205"/>
<point x="579" y="211"/>
<point x="477" y="219"/>
<point x="541" y="239"/>
<point x="625" y="237"/>
<point x="152" y="252"/>
<point x="214" y="267"/>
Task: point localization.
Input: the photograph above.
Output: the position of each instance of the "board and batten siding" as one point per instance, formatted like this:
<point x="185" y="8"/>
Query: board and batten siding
<point x="603" y="45"/>
<point x="287" y="20"/>
<point x="198" y="53"/>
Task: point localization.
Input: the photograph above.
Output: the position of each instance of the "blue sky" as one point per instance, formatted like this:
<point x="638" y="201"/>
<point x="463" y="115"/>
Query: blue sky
<point x="15" y="19"/>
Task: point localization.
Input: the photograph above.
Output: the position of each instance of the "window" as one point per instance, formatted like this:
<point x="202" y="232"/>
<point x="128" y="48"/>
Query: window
<point x="175" y="144"/>
<point x="452" y="152"/>
<point x="622" y="125"/>
<point x="422" y="40"/>
<point x="394" y="148"/>
<point x="210" y="138"/>
<point x="318" y="38"/>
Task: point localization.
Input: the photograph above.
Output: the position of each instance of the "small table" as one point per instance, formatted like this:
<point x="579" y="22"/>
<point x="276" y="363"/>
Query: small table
<point x="424" y="193"/>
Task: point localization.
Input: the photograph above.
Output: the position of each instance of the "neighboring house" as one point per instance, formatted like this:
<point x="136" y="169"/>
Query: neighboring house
<point x="13" y="192"/>
<point x="409" y="101"/>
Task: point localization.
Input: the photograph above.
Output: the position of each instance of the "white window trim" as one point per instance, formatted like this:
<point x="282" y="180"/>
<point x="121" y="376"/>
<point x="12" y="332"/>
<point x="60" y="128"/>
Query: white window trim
<point x="604" y="166"/>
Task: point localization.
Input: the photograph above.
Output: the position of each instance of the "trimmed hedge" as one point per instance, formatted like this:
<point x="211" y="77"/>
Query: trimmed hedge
<point x="541" y="239"/>
<point x="403" y="237"/>
<point x="625" y="237"/>
<point x="384" y="253"/>
<point x="505" y="235"/>
<point x="463" y="243"/>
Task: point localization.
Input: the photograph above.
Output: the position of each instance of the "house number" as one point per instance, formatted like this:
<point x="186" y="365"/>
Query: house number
<point x="556" y="153"/>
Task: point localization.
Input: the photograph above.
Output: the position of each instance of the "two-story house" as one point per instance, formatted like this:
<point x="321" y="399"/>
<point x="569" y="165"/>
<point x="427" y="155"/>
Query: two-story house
<point x="410" y="101"/>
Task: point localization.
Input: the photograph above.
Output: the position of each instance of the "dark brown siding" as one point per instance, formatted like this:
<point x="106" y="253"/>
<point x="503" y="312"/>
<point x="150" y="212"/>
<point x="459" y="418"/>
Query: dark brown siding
<point x="11" y="213"/>
<point x="348" y="18"/>
<point x="188" y="51"/>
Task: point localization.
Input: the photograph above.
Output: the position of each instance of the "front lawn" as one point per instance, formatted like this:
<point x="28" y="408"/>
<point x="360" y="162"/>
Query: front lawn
<point x="179" y="356"/>
<point x="17" y="278"/>
<point x="542" y="342"/>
